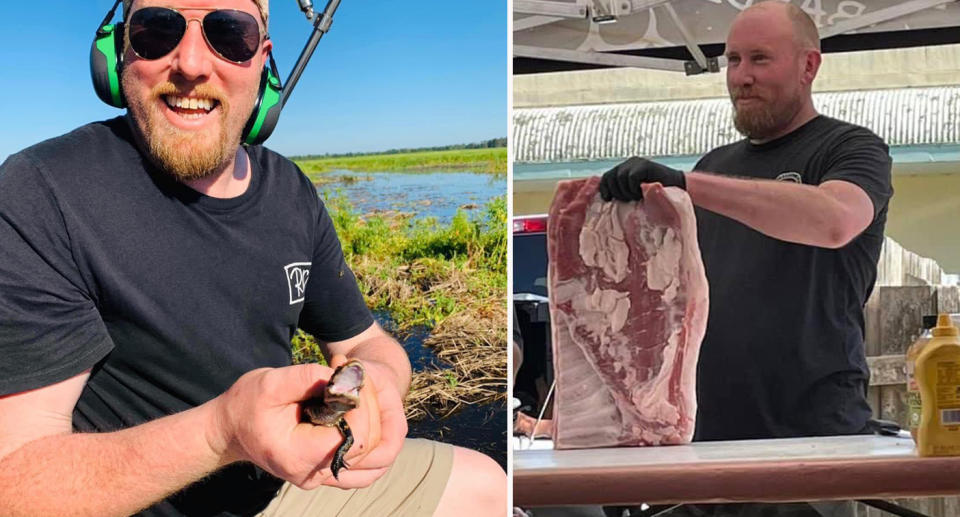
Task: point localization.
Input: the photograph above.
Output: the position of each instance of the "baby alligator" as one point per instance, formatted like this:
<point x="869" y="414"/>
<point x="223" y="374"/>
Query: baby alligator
<point x="341" y="395"/>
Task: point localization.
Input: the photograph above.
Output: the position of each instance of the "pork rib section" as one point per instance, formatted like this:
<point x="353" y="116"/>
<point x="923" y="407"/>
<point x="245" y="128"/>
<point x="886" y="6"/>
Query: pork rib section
<point x="628" y="304"/>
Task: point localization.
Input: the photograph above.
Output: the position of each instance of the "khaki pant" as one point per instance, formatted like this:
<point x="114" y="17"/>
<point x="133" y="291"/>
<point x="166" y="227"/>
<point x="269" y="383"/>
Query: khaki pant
<point x="410" y="488"/>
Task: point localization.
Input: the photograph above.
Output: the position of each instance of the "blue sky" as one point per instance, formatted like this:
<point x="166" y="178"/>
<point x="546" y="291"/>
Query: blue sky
<point x="387" y="75"/>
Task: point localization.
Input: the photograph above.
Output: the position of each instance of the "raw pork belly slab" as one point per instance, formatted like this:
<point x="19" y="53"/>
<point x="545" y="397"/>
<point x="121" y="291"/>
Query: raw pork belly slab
<point x="628" y="304"/>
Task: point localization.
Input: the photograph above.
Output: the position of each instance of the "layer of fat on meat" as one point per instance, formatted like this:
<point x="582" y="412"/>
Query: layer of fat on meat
<point x="663" y="264"/>
<point x="602" y="242"/>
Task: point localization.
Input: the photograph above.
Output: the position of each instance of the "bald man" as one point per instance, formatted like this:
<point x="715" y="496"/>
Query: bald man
<point x="790" y="222"/>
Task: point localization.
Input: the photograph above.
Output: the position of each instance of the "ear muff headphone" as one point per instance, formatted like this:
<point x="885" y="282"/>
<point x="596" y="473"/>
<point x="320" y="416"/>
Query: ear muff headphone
<point x="106" y="64"/>
<point x="266" y="110"/>
<point x="106" y="61"/>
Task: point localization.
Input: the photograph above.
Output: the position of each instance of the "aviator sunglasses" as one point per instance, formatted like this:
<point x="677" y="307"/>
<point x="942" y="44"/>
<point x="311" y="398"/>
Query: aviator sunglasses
<point x="155" y="31"/>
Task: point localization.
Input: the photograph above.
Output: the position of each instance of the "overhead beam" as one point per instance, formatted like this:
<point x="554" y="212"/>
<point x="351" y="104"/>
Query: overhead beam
<point x="692" y="45"/>
<point x="580" y="9"/>
<point x="550" y="8"/>
<point x="598" y="58"/>
<point x="534" y="21"/>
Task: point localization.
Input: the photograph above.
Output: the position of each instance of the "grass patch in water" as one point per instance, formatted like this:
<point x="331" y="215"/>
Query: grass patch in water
<point x="346" y="179"/>
<point x="450" y="278"/>
<point x="492" y="160"/>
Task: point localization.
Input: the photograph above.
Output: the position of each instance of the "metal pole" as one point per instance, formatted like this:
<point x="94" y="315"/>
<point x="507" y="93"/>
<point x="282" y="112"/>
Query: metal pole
<point x="320" y="27"/>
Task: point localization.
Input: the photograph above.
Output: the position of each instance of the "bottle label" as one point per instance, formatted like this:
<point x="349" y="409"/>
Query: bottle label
<point x="948" y="392"/>
<point x="914" y="409"/>
<point x="950" y="416"/>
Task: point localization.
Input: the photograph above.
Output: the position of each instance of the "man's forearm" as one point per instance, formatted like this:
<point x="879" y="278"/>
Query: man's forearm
<point x="802" y="214"/>
<point x="108" y="474"/>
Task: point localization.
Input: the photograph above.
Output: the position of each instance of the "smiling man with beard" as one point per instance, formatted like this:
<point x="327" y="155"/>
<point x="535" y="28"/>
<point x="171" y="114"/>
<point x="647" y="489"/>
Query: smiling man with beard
<point x="790" y="223"/>
<point x="153" y="274"/>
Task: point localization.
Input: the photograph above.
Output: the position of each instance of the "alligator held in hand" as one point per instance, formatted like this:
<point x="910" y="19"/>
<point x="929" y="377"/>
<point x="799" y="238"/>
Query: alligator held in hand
<point x="341" y="395"/>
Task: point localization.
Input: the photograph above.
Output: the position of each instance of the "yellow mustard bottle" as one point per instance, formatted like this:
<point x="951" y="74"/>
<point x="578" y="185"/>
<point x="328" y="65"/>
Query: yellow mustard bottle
<point x="938" y="375"/>
<point x="913" y="389"/>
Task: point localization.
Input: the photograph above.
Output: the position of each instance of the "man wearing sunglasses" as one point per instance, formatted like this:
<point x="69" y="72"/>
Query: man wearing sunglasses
<point x="152" y="275"/>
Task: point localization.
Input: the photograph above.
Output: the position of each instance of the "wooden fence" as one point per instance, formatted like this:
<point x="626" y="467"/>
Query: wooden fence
<point x="908" y="288"/>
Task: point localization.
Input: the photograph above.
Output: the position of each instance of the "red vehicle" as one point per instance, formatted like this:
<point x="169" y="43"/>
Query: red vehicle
<point x="531" y="312"/>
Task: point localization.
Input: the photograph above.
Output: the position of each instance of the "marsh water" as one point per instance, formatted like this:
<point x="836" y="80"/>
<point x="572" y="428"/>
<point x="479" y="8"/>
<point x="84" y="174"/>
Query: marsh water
<point x="479" y="427"/>
<point x="425" y="194"/>
<point x="438" y="195"/>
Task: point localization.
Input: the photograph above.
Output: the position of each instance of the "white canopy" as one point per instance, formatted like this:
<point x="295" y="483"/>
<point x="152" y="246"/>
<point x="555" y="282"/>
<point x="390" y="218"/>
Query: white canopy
<point x="571" y="34"/>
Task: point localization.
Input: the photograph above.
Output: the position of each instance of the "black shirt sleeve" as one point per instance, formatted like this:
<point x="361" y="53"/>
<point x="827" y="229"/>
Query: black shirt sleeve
<point x="333" y="308"/>
<point x="50" y="329"/>
<point x="864" y="160"/>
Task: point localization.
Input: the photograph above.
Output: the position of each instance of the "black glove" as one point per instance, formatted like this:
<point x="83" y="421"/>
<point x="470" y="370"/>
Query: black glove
<point x="623" y="181"/>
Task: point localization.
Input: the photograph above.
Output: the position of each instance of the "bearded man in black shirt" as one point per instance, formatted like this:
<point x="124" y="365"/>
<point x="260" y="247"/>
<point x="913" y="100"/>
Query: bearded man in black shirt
<point x="153" y="273"/>
<point x="790" y="223"/>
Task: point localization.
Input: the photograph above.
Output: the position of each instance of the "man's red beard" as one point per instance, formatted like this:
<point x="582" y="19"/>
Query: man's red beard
<point x="762" y="119"/>
<point x="185" y="155"/>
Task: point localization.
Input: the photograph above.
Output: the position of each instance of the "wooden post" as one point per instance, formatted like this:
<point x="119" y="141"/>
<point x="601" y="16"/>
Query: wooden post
<point x="892" y="323"/>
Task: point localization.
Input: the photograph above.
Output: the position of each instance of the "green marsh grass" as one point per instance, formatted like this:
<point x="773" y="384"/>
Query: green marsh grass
<point x="450" y="278"/>
<point x="493" y="160"/>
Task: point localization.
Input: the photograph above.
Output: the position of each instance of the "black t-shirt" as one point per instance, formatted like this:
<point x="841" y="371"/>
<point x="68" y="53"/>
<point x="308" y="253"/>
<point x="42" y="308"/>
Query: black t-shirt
<point x="783" y="352"/>
<point x="167" y="294"/>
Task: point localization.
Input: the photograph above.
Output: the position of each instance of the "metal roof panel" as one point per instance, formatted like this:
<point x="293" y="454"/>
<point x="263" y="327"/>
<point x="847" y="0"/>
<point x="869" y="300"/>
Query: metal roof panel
<point x="903" y="116"/>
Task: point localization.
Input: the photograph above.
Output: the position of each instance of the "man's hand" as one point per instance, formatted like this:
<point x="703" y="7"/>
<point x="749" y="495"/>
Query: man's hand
<point x="526" y="425"/>
<point x="392" y="426"/>
<point x="257" y="420"/>
<point x="388" y="374"/>
<point x="624" y="182"/>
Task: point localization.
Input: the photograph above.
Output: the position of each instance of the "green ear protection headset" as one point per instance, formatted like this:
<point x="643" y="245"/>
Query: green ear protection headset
<point x="106" y="64"/>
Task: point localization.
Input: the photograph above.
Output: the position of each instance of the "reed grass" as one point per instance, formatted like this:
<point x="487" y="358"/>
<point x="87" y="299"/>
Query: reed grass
<point x="449" y="278"/>
<point x="493" y="160"/>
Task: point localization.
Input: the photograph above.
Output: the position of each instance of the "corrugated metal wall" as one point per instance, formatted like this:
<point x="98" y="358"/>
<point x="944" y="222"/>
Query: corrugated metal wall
<point x="904" y="116"/>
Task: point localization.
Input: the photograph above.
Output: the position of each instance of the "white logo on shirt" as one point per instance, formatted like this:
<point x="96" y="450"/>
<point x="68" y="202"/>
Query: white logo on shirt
<point x="297" y="275"/>
<point x="790" y="176"/>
